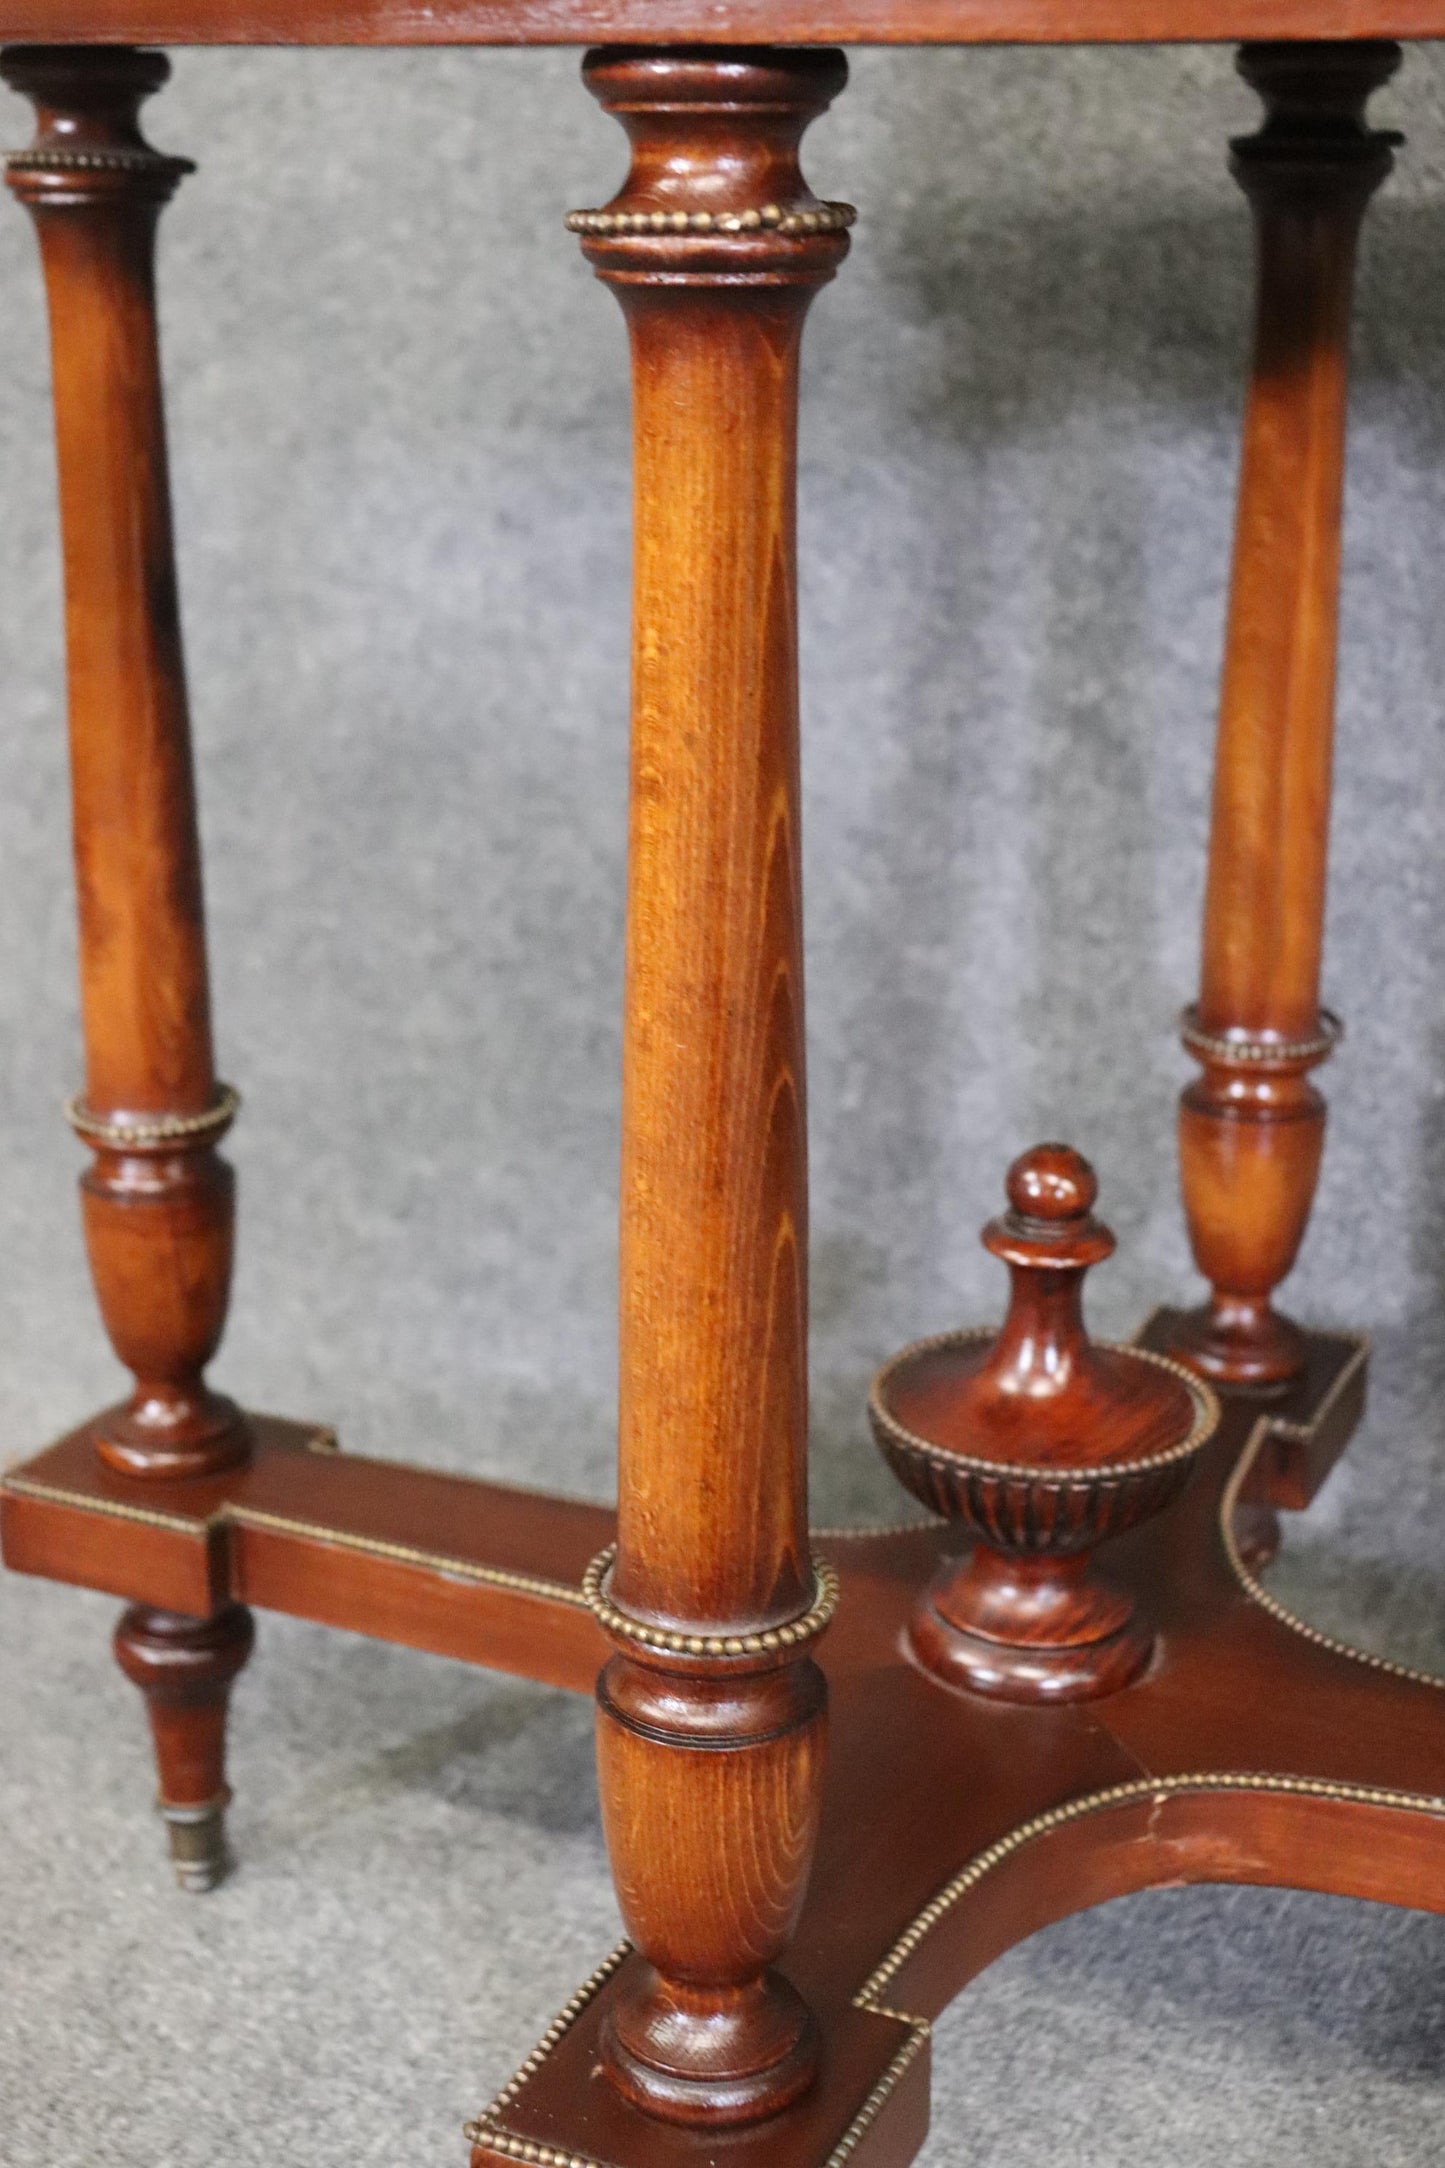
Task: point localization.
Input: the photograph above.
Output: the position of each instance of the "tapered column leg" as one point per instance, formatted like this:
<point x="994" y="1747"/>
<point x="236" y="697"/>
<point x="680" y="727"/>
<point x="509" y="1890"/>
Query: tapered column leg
<point x="185" y="1668"/>
<point x="1252" y="1127"/>
<point x="158" y="1202"/>
<point x="711" y="1721"/>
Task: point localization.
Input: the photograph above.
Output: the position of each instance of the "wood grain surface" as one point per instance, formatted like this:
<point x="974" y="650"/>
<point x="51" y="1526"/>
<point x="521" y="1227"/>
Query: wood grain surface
<point x="158" y="1205"/>
<point x="721" y="22"/>
<point x="1252" y="1126"/>
<point x="440" y="1562"/>
<point x="1252" y="1750"/>
<point x="1043" y="1446"/>
<point x="710" y="1755"/>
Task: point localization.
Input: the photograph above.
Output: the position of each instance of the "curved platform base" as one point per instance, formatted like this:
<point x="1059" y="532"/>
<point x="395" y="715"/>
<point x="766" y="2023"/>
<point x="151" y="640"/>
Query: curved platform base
<point x="725" y="2092"/>
<point x="1253" y="1750"/>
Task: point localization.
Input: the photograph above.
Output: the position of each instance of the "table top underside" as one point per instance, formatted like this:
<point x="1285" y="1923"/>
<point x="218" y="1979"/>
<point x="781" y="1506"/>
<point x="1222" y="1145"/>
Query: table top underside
<point x="718" y="22"/>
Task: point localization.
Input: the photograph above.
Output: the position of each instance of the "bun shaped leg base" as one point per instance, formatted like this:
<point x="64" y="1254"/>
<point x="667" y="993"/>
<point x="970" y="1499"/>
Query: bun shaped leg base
<point x="1241" y="1344"/>
<point x="732" y="2083"/>
<point x="1028" y="1629"/>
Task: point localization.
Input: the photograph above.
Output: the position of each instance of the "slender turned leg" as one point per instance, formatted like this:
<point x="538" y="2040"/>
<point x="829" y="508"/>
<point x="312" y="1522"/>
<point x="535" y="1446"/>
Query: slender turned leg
<point x="158" y="1203"/>
<point x="1252" y="1127"/>
<point x="184" y="1667"/>
<point x="711" y="1724"/>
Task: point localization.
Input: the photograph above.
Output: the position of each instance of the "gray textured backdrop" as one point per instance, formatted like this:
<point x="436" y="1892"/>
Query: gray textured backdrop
<point x="399" y="413"/>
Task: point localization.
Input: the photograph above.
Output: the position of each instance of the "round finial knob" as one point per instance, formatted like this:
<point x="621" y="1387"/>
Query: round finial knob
<point x="1052" y="1182"/>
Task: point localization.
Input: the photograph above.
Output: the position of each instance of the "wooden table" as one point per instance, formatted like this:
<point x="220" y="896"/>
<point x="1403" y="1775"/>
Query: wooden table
<point x="818" y="1834"/>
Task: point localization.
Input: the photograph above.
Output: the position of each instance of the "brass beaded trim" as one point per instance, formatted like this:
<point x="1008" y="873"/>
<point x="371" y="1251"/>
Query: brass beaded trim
<point x="1256" y="1591"/>
<point x="406" y="1554"/>
<point x="1075" y="1810"/>
<point x="156" y="1128"/>
<point x="1251" y="1051"/>
<point x="887" y="2085"/>
<point x="869" y="1997"/>
<point x="771" y="218"/>
<point x="664" y="1641"/>
<point x="1206" y="1418"/>
<point x="485" y="2130"/>
<point x="868" y="1531"/>
<point x="24" y="1486"/>
<point x="497" y="2140"/>
<point x="1287" y="1426"/>
<point x="120" y="160"/>
<point x="243" y="1516"/>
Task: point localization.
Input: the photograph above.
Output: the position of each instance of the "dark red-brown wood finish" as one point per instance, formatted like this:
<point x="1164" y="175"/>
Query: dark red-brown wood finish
<point x="1251" y="1750"/>
<point x="1043" y="1446"/>
<point x="184" y="1666"/>
<point x="711" y="1720"/>
<point x="733" y="23"/>
<point x="817" y="1840"/>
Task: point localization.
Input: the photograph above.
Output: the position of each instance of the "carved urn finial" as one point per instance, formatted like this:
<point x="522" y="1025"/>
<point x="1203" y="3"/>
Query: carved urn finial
<point x="1043" y="1443"/>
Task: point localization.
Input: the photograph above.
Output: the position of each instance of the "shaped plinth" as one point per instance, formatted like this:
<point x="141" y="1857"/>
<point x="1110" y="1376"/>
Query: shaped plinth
<point x="1254" y="1751"/>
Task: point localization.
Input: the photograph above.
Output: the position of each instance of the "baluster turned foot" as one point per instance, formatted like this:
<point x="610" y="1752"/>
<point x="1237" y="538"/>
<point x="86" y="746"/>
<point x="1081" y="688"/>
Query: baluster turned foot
<point x="185" y="1668"/>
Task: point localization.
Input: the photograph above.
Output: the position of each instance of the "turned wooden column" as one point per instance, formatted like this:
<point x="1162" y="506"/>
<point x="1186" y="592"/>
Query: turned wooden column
<point x="158" y="1203"/>
<point x="711" y="1722"/>
<point x="1252" y="1127"/>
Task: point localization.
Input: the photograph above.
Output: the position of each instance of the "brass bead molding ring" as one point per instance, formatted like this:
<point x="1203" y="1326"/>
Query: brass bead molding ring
<point x="1258" y="1051"/>
<point x="151" y="1130"/>
<point x="1202" y="1400"/>
<point x="661" y="1641"/>
<point x="771" y="218"/>
<point x="108" y="161"/>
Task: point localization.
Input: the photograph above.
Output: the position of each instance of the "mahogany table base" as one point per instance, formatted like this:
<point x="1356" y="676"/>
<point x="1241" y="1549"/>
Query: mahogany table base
<point x="1255" y="1749"/>
<point x="755" y="2013"/>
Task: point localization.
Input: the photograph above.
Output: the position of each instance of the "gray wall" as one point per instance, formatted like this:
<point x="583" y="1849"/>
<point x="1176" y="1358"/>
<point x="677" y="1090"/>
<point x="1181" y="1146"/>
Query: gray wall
<point x="399" y="409"/>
